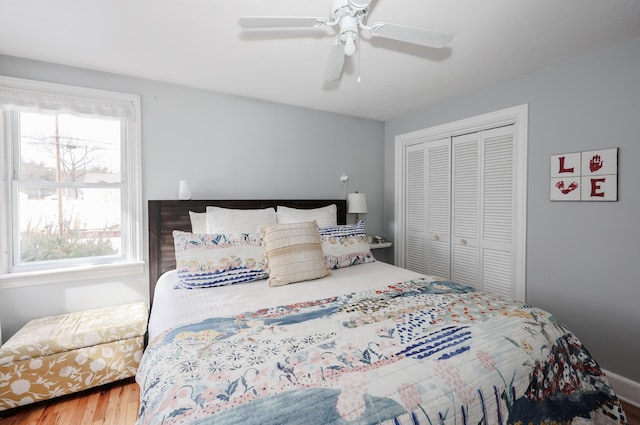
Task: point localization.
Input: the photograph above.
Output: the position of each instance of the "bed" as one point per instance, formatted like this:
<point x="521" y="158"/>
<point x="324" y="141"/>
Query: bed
<point x="367" y="343"/>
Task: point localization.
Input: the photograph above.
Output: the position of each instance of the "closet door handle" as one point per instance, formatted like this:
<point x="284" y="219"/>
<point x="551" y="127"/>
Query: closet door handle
<point x="436" y="237"/>
<point x="463" y="241"/>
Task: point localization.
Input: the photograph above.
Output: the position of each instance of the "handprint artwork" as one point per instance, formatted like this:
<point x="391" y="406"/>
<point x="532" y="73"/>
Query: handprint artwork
<point x="596" y="163"/>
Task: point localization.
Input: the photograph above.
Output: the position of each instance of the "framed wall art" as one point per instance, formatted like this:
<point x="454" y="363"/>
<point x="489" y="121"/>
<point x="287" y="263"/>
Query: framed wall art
<point x="585" y="176"/>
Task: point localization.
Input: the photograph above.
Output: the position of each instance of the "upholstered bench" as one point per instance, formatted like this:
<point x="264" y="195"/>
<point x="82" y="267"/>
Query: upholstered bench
<point x="59" y="355"/>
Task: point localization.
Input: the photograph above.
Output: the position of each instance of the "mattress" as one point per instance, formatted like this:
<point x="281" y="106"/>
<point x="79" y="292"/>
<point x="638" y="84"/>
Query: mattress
<point x="173" y="307"/>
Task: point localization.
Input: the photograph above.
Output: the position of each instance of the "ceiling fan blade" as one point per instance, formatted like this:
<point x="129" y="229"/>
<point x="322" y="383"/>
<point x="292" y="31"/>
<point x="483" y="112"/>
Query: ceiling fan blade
<point x="411" y="35"/>
<point x="281" y="22"/>
<point x="336" y="61"/>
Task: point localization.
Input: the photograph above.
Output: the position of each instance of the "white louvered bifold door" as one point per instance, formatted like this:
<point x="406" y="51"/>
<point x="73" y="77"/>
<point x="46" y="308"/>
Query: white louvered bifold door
<point x="438" y="207"/>
<point x="482" y="210"/>
<point x="465" y="217"/>
<point x="415" y="209"/>
<point x="461" y="207"/>
<point x="498" y="203"/>
<point x="427" y="212"/>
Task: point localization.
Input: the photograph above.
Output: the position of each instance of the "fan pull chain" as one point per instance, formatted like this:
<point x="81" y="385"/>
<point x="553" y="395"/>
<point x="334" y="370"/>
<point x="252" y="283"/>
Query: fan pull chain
<point x="359" y="68"/>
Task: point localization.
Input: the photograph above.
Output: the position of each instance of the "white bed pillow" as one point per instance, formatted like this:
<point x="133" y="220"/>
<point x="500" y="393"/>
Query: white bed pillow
<point x="323" y="216"/>
<point x="198" y="222"/>
<point x="228" y="220"/>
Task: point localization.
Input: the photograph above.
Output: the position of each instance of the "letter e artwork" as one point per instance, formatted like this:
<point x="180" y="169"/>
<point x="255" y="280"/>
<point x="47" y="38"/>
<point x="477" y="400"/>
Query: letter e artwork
<point x="600" y="175"/>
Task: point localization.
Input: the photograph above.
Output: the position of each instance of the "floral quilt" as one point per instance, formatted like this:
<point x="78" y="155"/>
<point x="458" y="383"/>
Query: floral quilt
<point x="414" y="352"/>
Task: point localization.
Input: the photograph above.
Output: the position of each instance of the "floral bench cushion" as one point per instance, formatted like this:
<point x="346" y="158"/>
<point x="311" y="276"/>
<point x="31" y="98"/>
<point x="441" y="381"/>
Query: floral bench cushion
<point x="58" y="355"/>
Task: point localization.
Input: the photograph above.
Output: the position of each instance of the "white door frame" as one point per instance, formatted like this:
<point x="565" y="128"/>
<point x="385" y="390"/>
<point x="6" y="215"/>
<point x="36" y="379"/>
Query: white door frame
<point x="517" y="115"/>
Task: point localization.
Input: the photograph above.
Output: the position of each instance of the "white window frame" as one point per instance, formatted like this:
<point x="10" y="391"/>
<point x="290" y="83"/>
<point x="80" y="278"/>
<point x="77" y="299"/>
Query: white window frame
<point x="132" y="262"/>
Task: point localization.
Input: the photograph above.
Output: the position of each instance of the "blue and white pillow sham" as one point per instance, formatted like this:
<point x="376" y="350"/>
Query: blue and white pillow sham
<point x="345" y="245"/>
<point x="208" y="260"/>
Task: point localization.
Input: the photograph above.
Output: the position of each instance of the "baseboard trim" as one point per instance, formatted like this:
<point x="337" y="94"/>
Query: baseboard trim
<point x="626" y="389"/>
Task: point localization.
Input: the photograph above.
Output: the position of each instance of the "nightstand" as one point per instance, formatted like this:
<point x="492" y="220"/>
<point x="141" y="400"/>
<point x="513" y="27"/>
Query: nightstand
<point x="381" y="254"/>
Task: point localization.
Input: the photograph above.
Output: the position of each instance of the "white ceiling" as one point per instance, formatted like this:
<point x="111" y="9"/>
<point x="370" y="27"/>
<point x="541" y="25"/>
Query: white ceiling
<point x="198" y="43"/>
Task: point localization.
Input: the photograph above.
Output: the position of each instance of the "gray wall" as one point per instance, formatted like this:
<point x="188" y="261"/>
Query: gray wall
<point x="227" y="147"/>
<point x="583" y="259"/>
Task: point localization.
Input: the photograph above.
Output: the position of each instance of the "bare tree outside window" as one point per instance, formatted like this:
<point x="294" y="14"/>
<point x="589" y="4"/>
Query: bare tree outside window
<point x="69" y="178"/>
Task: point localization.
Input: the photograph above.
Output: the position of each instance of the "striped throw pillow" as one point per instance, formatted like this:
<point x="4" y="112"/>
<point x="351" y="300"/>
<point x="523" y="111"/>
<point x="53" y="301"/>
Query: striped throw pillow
<point x="294" y="253"/>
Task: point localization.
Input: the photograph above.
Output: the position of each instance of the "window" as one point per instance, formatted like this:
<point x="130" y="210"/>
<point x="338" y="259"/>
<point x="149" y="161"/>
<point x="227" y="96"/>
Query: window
<point x="71" y="167"/>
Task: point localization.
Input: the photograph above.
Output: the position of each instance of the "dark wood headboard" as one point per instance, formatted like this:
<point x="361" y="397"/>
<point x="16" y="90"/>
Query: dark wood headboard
<point x="165" y="216"/>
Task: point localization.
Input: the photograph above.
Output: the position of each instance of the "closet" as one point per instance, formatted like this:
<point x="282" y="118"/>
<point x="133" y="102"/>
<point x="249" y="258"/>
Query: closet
<point x="461" y="216"/>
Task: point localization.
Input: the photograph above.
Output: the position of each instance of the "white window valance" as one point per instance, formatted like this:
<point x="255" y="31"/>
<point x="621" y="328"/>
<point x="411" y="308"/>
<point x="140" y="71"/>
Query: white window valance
<point x="22" y="100"/>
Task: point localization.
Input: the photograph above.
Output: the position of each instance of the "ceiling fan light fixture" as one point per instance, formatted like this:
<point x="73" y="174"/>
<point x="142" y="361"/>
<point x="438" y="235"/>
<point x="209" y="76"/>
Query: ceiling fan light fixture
<point x="348" y="34"/>
<point x="349" y="45"/>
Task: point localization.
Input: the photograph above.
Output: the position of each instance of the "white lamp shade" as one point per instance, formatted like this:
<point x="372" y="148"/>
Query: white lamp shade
<point x="184" y="190"/>
<point x="356" y="203"/>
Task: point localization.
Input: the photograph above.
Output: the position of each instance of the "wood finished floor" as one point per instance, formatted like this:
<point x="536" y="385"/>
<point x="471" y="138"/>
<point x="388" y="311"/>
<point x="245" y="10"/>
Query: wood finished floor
<point x="112" y="404"/>
<point x="117" y="404"/>
<point x="633" y="413"/>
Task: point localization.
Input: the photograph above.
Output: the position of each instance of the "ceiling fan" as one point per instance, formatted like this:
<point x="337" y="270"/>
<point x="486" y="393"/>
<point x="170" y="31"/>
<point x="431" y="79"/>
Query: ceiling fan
<point x="348" y="16"/>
